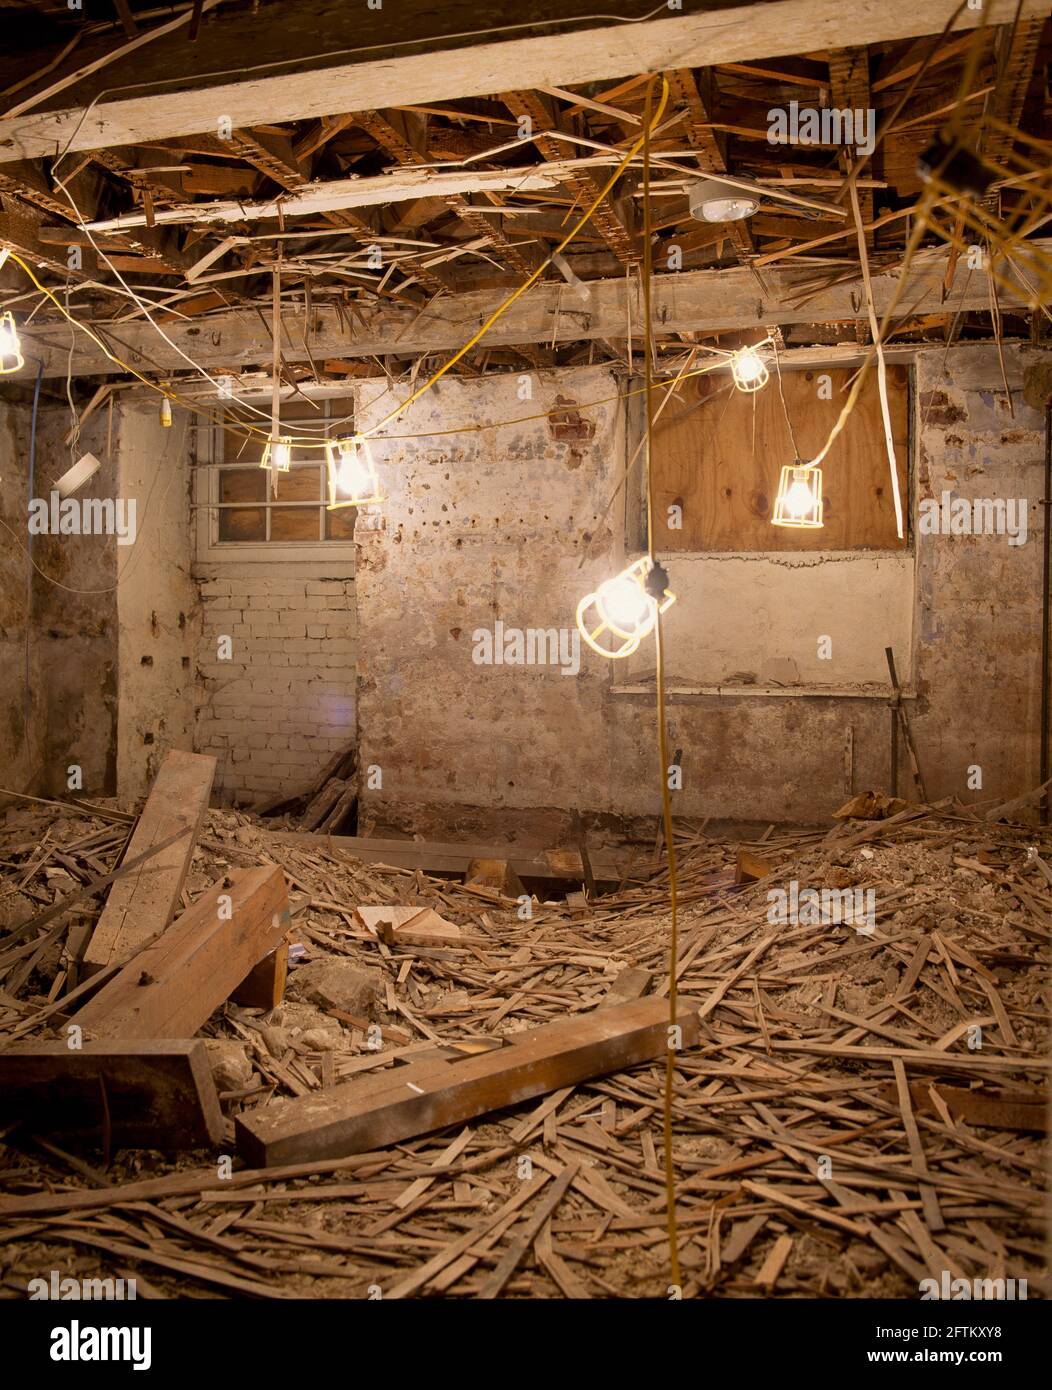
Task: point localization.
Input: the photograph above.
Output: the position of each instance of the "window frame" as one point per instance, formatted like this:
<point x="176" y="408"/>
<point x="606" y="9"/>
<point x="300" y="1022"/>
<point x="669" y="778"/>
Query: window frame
<point x="207" y="507"/>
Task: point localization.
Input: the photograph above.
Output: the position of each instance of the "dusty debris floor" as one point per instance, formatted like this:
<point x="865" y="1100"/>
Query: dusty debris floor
<point x="797" y="1173"/>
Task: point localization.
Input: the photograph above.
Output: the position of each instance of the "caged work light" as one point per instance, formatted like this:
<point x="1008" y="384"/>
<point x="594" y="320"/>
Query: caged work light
<point x="749" y="370"/>
<point x="352" y="473"/>
<point x="799" y="500"/>
<point x="11" y="359"/>
<point x="277" y="453"/>
<point x="624" y="610"/>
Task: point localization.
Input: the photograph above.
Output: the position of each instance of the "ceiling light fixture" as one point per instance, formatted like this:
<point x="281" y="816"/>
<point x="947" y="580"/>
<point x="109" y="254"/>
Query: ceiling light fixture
<point x="626" y="608"/>
<point x="799" y="500"/>
<point x="711" y="200"/>
<point x="352" y="473"/>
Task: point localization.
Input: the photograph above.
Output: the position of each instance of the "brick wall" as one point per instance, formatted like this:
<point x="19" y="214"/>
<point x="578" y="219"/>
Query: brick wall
<point x="285" y="702"/>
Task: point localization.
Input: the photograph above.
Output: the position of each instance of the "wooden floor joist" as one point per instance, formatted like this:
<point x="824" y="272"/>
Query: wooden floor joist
<point x="141" y="905"/>
<point x="169" y="989"/>
<point x="422" y="1097"/>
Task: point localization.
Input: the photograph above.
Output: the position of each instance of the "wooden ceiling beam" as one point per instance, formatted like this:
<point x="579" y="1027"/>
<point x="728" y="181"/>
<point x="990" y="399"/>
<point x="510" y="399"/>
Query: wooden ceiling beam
<point x="1017" y="47"/>
<point x="606" y="220"/>
<point x="697" y="300"/>
<point x="567" y="58"/>
<point x="849" y="82"/>
<point x="709" y="151"/>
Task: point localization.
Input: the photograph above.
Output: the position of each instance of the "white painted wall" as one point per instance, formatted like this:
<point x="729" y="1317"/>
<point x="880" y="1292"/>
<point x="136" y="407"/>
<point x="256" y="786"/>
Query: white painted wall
<point x="752" y="614"/>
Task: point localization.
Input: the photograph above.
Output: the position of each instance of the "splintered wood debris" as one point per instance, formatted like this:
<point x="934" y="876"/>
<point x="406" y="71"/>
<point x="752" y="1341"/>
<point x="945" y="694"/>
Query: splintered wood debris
<point x="862" y="1109"/>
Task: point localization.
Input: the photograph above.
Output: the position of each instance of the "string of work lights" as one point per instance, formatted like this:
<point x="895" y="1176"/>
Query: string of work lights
<point x="615" y="618"/>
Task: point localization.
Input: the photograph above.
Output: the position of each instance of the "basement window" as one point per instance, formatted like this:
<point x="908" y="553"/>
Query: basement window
<point x="238" y="514"/>
<point x="718" y="452"/>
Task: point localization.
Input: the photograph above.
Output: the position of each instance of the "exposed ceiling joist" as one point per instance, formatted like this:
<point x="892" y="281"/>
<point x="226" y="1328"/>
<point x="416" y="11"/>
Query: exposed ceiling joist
<point x="682" y="303"/>
<point x="314" y="198"/>
<point x="564" y="59"/>
<point x="605" y="219"/>
<point x="383" y="130"/>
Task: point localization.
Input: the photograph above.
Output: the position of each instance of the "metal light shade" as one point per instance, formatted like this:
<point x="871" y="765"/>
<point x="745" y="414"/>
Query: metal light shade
<point x="714" y="201"/>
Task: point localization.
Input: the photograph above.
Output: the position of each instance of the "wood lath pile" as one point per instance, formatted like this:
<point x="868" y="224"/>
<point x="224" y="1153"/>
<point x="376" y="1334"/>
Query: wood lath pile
<point x="835" y="1133"/>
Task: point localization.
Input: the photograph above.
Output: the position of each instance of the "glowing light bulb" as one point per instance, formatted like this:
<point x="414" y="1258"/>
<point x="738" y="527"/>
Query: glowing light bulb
<point x="799" y="499"/>
<point x="166" y="413"/>
<point x="621" y="611"/>
<point x="623" y="602"/>
<point x="352" y="475"/>
<point x="277" y="454"/>
<point x="11" y="359"/>
<point x="749" y="370"/>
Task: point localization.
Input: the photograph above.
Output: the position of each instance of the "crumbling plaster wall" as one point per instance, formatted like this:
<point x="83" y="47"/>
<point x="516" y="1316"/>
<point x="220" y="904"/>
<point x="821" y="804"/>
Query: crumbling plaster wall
<point x="157" y="608"/>
<point x="514" y="525"/>
<point x="21" y="749"/>
<point x="978" y="597"/>
<point x="72" y="656"/>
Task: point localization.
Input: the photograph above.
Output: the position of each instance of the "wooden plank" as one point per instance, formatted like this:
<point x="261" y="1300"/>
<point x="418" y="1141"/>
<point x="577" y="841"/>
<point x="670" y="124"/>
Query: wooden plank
<point x="929" y="1199"/>
<point x="141" y="905"/>
<point x="157" y="1094"/>
<point x="568" y="57"/>
<point x="171" y="988"/>
<point x="452" y="858"/>
<point x="410" y="926"/>
<point x="547" y="1058"/>
<point x="705" y="462"/>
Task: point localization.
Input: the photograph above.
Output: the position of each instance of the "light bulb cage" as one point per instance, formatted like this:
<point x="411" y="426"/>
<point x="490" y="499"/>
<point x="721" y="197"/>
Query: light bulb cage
<point x="749" y="383"/>
<point x="809" y="519"/>
<point x="11" y="360"/>
<point x="271" y="458"/>
<point x="370" y="493"/>
<point x="610" y="634"/>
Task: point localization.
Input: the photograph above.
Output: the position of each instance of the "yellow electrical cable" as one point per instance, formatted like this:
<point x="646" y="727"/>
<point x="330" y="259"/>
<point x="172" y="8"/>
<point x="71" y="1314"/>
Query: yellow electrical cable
<point x="643" y="141"/>
<point x="662" y="726"/>
<point x="236" y="427"/>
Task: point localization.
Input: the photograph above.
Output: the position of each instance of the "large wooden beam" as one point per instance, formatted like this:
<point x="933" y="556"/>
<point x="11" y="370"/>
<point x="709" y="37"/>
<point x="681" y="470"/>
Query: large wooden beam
<point x="419" y="1098"/>
<point x="171" y="988"/>
<point x="575" y="52"/>
<point x="141" y="905"/>
<point x="452" y="858"/>
<point x="141" y="1094"/>
<point x="689" y="301"/>
<point x="323" y="197"/>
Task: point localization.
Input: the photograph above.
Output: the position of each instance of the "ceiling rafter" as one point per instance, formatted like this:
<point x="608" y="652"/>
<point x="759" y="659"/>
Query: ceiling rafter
<point x="849" y="82"/>
<point x="583" y="186"/>
<point x="384" y="132"/>
<point x="708" y="150"/>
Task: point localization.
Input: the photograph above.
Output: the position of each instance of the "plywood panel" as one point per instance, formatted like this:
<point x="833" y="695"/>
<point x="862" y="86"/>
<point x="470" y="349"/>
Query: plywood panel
<point x="718" y="455"/>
